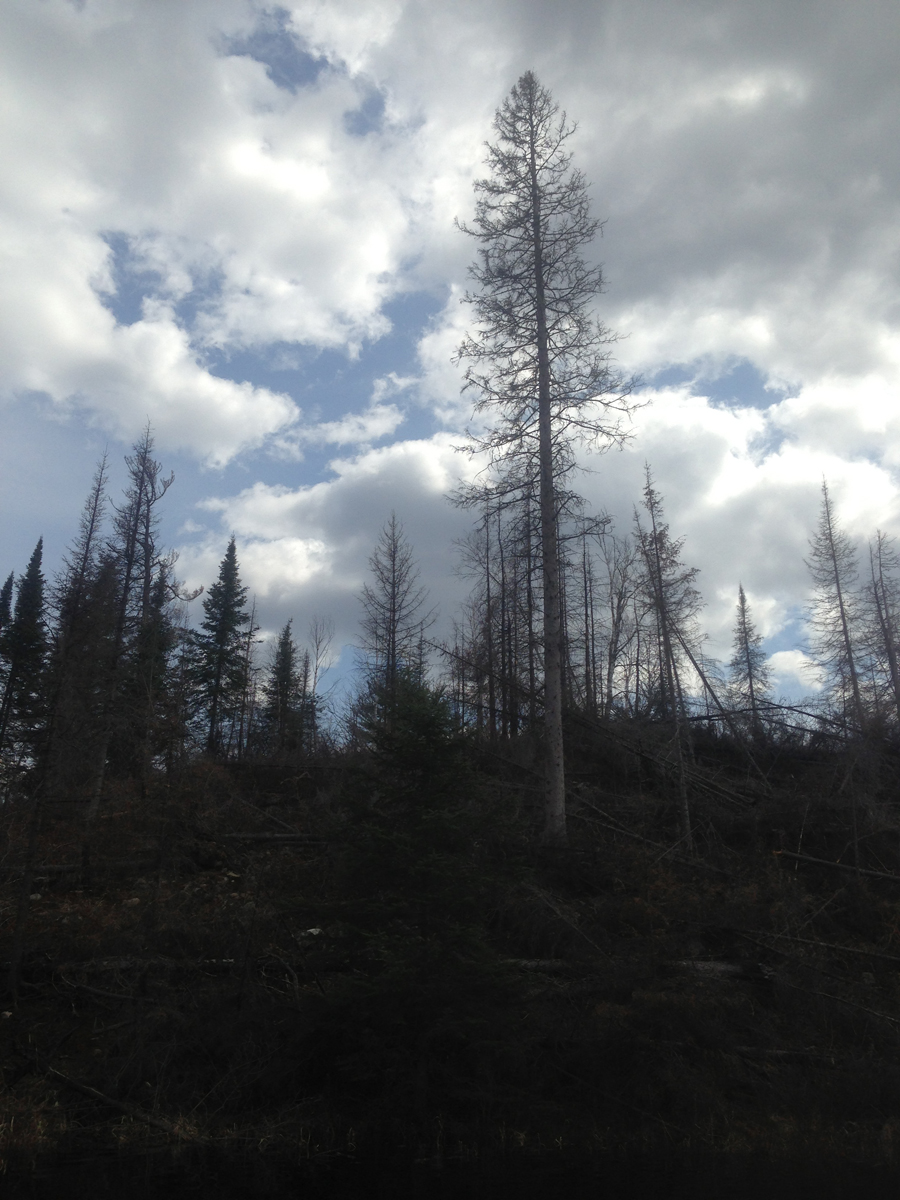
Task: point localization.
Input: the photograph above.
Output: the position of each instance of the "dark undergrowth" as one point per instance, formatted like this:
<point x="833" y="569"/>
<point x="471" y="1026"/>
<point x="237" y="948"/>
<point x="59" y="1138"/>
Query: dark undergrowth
<point x="372" y="959"/>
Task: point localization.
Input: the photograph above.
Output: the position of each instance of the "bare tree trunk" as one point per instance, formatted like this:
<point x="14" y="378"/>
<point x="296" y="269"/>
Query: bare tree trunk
<point x="884" y="616"/>
<point x="489" y="632"/>
<point x="555" y="832"/>
<point x="530" y="607"/>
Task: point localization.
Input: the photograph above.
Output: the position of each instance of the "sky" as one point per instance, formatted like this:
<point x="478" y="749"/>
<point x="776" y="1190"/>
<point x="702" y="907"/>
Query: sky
<point x="236" y="221"/>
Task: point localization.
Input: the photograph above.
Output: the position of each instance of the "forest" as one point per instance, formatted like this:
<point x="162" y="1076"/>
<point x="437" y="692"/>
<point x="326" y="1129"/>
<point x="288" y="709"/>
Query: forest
<point x="558" y="888"/>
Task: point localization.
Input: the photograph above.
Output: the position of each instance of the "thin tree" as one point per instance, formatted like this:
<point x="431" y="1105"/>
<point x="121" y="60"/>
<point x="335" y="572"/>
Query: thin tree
<point x="834" y="611"/>
<point x="750" y="678"/>
<point x="221" y="651"/>
<point x="6" y="597"/>
<point x="538" y="362"/>
<point x="671" y="597"/>
<point x="882" y="614"/>
<point x="23" y="646"/>
<point x="129" y="566"/>
<point x="82" y="601"/>
<point x="619" y="558"/>
<point x="834" y="619"/>
<point x="321" y="635"/>
<point x="395" y="616"/>
<point x="673" y="603"/>
<point x="281" y="693"/>
<point x="6" y="616"/>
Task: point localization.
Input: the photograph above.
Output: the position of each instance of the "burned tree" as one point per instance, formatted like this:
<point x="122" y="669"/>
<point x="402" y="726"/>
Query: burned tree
<point x="539" y="363"/>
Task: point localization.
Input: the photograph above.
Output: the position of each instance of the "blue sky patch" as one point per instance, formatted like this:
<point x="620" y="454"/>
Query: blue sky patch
<point x="328" y="384"/>
<point x="368" y="117"/>
<point x="740" y="385"/>
<point x="273" y="44"/>
<point x="133" y="280"/>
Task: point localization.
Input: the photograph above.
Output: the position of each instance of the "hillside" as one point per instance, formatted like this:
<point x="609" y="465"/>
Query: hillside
<point x="372" y="959"/>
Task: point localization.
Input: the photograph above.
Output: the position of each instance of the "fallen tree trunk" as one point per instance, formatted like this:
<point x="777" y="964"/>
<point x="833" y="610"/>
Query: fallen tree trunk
<point x="825" y="862"/>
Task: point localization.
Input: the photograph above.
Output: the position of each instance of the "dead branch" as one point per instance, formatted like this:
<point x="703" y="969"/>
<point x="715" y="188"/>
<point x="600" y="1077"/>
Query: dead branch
<point x="824" y="862"/>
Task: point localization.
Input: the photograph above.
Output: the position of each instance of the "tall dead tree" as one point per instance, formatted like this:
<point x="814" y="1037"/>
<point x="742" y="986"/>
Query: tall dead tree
<point x="673" y="603"/>
<point x="834" y="612"/>
<point x="395" y="617"/>
<point x="883" y="619"/>
<point x="538" y="359"/>
<point x="835" y="621"/>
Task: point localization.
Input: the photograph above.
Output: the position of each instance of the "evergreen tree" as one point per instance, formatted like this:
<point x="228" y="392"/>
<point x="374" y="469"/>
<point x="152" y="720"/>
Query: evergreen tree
<point x="135" y="548"/>
<point x="283" y="696"/>
<point x="221" y="669"/>
<point x="750" y="680"/>
<point x="23" y="646"/>
<point x="83" y="601"/>
<point x="6" y="599"/>
<point x="6" y="610"/>
<point x="129" y="563"/>
<point x="146" y="685"/>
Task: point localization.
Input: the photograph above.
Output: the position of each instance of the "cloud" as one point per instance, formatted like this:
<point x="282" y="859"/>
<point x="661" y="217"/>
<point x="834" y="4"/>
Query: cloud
<point x="304" y="551"/>
<point x="793" y="670"/>
<point x="378" y="421"/>
<point x="232" y="205"/>
<point x="210" y="203"/>
<point x="746" y="515"/>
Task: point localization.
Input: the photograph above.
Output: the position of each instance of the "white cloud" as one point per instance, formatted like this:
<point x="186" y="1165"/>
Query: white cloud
<point x="305" y="550"/>
<point x="234" y="193"/>
<point x="748" y="160"/>
<point x="376" y="422"/>
<point x="793" y="670"/>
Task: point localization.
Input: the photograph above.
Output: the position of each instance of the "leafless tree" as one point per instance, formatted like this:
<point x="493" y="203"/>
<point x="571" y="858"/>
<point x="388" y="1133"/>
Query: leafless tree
<point x="834" y="611"/>
<point x="539" y="363"/>
<point x="673" y="602"/>
<point x="883" y="620"/>
<point x="395" y="613"/>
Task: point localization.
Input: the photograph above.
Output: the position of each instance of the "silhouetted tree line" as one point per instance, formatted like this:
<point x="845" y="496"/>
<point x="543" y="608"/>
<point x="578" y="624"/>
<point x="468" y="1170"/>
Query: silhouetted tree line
<point x="399" y="945"/>
<point x="104" y="674"/>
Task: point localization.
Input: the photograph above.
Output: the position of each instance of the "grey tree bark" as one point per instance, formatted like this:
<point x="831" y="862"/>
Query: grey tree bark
<point x="834" y="614"/>
<point x="538" y="362"/>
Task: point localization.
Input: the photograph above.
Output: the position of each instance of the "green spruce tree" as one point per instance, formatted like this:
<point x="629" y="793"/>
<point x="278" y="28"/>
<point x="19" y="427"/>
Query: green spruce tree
<point x="221" y="668"/>
<point x="282" y="693"/>
<point x="23" y="646"/>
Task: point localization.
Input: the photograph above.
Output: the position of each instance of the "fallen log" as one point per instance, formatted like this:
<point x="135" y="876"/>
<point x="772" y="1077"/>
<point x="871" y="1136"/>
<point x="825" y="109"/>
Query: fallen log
<point x="791" y="937"/>
<point x="300" y="839"/>
<point x="132" y="1110"/>
<point x="825" y="862"/>
<point x="668" y="852"/>
<point x="787" y="1055"/>
<point x="113" y="864"/>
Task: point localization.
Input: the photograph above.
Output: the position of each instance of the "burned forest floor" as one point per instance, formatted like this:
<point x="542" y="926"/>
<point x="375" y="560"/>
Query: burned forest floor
<point x="370" y="956"/>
